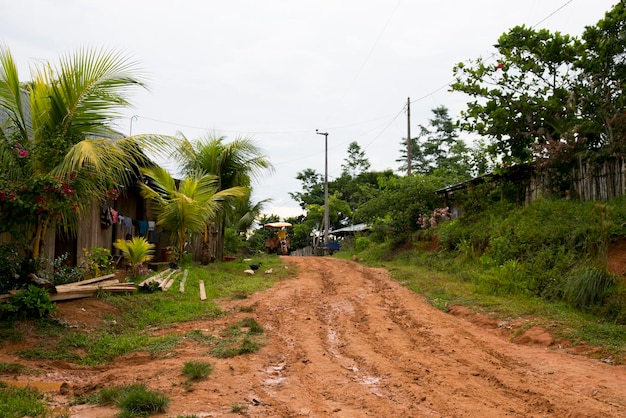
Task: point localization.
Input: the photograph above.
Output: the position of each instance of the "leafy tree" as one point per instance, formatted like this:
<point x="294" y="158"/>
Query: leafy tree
<point x="56" y="153"/>
<point x="356" y="162"/>
<point x="602" y="82"/>
<point x="312" y="188"/>
<point x="523" y="101"/>
<point x="401" y="201"/>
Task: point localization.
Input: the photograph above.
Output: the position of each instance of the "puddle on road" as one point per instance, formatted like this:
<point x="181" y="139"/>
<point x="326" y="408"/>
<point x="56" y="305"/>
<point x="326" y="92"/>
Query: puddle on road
<point x="42" y="386"/>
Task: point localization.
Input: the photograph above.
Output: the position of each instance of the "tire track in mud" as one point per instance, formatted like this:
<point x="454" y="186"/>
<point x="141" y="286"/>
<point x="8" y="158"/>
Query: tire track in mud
<point x="354" y="343"/>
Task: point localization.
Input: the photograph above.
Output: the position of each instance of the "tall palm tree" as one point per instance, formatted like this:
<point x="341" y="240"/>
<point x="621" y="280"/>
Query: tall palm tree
<point x="185" y="209"/>
<point x="236" y="164"/>
<point x="57" y="155"/>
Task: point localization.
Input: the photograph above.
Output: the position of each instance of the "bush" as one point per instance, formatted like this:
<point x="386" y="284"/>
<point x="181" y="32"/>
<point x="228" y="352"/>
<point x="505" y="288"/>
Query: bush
<point x="588" y="286"/>
<point x="63" y="271"/>
<point x="10" y="267"/>
<point x="361" y="244"/>
<point x="97" y="262"/>
<point x="32" y="302"/>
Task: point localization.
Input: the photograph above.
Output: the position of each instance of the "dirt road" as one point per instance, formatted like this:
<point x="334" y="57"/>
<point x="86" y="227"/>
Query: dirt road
<point x="343" y="340"/>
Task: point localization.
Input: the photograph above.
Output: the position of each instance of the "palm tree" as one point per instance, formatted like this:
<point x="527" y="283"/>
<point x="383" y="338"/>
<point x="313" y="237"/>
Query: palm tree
<point x="236" y="164"/>
<point x="136" y="251"/>
<point x="57" y="155"/>
<point x="185" y="209"/>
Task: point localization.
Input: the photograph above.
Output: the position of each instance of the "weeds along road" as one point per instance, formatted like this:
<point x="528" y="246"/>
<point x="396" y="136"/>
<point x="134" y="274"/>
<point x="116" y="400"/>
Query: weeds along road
<point x="343" y="340"/>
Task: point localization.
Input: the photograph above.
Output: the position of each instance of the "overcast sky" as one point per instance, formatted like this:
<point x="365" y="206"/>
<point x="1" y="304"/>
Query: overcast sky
<point x="277" y="70"/>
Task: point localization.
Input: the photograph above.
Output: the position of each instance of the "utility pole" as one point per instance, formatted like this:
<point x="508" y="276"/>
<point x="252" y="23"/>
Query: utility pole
<point x="408" y="136"/>
<point x="130" y="133"/>
<point x="326" y="220"/>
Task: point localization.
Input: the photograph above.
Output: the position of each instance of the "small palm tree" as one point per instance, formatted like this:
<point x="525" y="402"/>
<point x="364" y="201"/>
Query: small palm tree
<point x="136" y="251"/>
<point x="235" y="164"/>
<point x="187" y="207"/>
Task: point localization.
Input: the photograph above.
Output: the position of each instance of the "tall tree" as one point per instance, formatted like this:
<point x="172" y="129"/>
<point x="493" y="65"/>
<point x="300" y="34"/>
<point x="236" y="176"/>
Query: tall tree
<point x="57" y="155"/>
<point x="356" y="162"/>
<point x="602" y="83"/>
<point x="235" y="164"/>
<point x="523" y="100"/>
<point x="312" y="188"/>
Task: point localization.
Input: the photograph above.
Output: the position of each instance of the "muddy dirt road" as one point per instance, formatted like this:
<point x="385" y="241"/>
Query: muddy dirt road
<point x="343" y="340"/>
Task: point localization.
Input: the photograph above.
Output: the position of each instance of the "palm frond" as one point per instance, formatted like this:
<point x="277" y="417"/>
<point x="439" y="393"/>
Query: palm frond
<point x="87" y="90"/>
<point x="11" y="94"/>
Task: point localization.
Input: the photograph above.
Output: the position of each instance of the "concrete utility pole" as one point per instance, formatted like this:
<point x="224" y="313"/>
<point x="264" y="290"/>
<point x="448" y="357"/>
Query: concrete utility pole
<point x="326" y="220"/>
<point x="130" y="132"/>
<point x="408" y="136"/>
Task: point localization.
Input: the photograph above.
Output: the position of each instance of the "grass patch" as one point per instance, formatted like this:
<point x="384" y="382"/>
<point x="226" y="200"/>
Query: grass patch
<point x="446" y="280"/>
<point x="197" y="370"/>
<point x="141" y="313"/>
<point x="16" y="369"/>
<point x="238" y="339"/>
<point x="21" y="402"/>
<point x="134" y="400"/>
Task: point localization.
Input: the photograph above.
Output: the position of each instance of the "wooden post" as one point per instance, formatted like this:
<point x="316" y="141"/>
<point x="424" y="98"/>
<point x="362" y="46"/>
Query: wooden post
<point x="202" y="291"/>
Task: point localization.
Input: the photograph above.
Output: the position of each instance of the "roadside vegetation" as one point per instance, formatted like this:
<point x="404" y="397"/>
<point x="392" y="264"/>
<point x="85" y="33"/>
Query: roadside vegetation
<point x="134" y="328"/>
<point x="546" y="263"/>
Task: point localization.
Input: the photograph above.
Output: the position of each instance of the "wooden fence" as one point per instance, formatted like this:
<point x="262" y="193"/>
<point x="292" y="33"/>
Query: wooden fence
<point x="589" y="181"/>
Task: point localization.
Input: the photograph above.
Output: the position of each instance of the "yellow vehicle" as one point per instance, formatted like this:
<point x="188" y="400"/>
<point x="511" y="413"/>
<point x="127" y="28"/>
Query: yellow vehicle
<point x="278" y="243"/>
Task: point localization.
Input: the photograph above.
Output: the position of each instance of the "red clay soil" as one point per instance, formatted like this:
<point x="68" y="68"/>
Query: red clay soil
<point x="343" y="340"/>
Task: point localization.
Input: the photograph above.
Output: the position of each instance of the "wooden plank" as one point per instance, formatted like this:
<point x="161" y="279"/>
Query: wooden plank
<point x="94" y="280"/>
<point x="182" y="282"/>
<point x="170" y="281"/>
<point x="94" y="288"/>
<point x="166" y="279"/>
<point x="69" y="296"/>
<point x="202" y="291"/>
<point x="85" y="293"/>
<point x="70" y="286"/>
<point x="157" y="277"/>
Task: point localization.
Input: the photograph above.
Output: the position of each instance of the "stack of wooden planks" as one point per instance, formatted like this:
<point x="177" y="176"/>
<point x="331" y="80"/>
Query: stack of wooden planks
<point x="90" y="287"/>
<point x="164" y="279"/>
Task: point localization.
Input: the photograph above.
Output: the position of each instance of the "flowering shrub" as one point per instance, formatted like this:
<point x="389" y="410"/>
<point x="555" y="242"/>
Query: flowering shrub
<point x="112" y="194"/>
<point x="23" y="201"/>
<point x="438" y="215"/>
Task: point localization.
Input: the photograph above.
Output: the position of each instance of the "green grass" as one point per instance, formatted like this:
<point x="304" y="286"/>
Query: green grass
<point x="238" y="339"/>
<point x="197" y="370"/>
<point x="21" y="402"/>
<point x="143" y="313"/>
<point x="17" y="369"/>
<point x="456" y="284"/>
<point x="134" y="400"/>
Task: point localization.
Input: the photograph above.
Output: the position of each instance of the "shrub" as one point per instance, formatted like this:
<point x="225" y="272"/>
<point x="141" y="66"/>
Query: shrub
<point x="361" y="244"/>
<point x="63" y="271"/>
<point x="10" y="267"/>
<point x="32" y="302"/>
<point x="97" y="262"/>
<point x="588" y="286"/>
